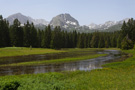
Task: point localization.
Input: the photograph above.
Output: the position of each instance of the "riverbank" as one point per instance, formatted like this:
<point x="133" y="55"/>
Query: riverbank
<point x="114" y="76"/>
<point x="19" y="51"/>
<point x="56" y="61"/>
<point x="51" y="57"/>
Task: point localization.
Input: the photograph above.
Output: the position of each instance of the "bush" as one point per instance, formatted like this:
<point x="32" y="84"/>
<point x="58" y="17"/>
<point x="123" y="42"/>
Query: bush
<point x="11" y="86"/>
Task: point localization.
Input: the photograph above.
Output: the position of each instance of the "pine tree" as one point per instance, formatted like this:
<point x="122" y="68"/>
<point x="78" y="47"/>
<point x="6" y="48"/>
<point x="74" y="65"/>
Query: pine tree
<point x="127" y="43"/>
<point x="16" y="34"/>
<point x="94" y="40"/>
<point x="63" y="39"/>
<point x="124" y="29"/>
<point x="89" y="40"/>
<point x="4" y="33"/>
<point x="27" y="36"/>
<point x="47" y="37"/>
<point x="119" y="40"/>
<point x="101" y="42"/>
<point x="66" y="42"/>
<point x="33" y="36"/>
<point x="74" y="39"/>
<point x="85" y="41"/>
<point x="56" y="38"/>
<point x="113" y="41"/>
<point x="39" y="37"/>
<point x="80" y="41"/>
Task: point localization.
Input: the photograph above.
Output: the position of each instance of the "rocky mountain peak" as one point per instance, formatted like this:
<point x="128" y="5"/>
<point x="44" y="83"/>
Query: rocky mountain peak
<point x="65" y="21"/>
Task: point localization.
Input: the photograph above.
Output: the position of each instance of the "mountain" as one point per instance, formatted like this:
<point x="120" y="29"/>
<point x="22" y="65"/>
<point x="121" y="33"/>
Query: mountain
<point x="23" y="19"/>
<point x="104" y="26"/>
<point x="67" y="22"/>
<point x="108" y="25"/>
<point x="64" y="21"/>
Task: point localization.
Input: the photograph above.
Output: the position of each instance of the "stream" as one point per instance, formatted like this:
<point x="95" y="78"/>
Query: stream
<point x="85" y="65"/>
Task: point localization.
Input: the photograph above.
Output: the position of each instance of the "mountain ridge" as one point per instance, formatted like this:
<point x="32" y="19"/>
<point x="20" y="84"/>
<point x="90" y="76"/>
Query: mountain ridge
<point x="23" y="19"/>
<point x="107" y="24"/>
<point x="66" y="21"/>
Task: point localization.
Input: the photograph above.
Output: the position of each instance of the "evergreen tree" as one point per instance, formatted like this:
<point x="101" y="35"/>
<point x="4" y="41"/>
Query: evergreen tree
<point x="101" y="42"/>
<point x="85" y="41"/>
<point x="27" y="36"/>
<point x="39" y="37"/>
<point x="56" y="38"/>
<point x="119" y="40"/>
<point x="94" y="40"/>
<point x="74" y="39"/>
<point x="124" y="29"/>
<point x="127" y="43"/>
<point x="66" y="38"/>
<point x="113" y="41"/>
<point x="16" y="34"/>
<point x="43" y="38"/>
<point x="4" y="33"/>
<point x="33" y="36"/>
<point x="63" y="39"/>
<point x="129" y="29"/>
<point x="47" y="37"/>
<point x="89" y="40"/>
<point x="80" y="41"/>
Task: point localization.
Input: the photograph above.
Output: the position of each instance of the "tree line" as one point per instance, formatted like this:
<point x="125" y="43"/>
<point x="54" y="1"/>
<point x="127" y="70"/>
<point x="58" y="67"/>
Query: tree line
<point x="27" y="35"/>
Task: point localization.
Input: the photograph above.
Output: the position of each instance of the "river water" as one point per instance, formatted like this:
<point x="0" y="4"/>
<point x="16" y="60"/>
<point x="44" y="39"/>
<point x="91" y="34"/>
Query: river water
<point x="85" y="65"/>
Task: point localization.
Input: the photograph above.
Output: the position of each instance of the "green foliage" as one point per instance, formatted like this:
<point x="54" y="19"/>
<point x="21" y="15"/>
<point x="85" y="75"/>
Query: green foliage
<point x="126" y="44"/>
<point x="16" y="34"/>
<point x="33" y="36"/>
<point x="39" y="38"/>
<point x="129" y="29"/>
<point x="11" y="86"/>
<point x="4" y="33"/>
<point x="94" y="40"/>
<point x="80" y="41"/>
<point x="56" y="41"/>
<point x="101" y="42"/>
<point x="119" y="41"/>
<point x="46" y="39"/>
<point x="27" y="36"/>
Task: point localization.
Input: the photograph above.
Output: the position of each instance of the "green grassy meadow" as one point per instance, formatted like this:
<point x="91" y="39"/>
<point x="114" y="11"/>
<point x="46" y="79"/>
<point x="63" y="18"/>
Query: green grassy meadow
<point x="18" y="51"/>
<point x="114" y="76"/>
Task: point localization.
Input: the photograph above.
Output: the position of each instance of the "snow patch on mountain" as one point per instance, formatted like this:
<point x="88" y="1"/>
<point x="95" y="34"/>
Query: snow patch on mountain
<point x="70" y="22"/>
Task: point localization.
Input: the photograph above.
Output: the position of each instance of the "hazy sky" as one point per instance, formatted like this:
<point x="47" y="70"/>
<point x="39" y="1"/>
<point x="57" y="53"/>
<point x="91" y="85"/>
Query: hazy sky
<point x="85" y="11"/>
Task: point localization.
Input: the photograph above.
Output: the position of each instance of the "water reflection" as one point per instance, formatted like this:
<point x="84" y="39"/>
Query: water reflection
<point x="72" y="66"/>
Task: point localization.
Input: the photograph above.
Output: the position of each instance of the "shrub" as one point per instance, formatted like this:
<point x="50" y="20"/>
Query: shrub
<point x="11" y="86"/>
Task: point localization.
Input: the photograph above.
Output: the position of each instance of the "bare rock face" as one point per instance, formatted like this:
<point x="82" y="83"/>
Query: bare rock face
<point x="64" y="21"/>
<point x="23" y="19"/>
